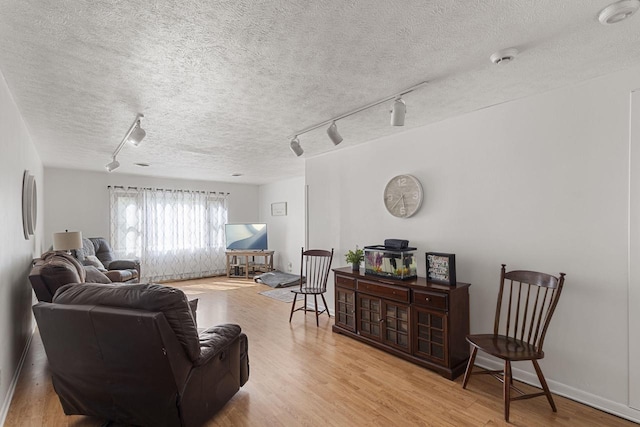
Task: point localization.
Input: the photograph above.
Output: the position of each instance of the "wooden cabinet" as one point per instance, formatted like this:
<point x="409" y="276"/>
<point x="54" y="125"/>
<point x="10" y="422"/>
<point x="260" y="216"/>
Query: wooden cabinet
<point x="423" y="322"/>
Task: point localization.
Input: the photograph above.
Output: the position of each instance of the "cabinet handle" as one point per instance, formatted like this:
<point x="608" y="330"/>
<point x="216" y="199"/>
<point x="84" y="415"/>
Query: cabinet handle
<point x="427" y="299"/>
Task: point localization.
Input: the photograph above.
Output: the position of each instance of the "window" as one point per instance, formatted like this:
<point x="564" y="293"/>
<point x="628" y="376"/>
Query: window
<point x="175" y="234"/>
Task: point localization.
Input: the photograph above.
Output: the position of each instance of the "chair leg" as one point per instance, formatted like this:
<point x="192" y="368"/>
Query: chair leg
<point x="467" y="373"/>
<point x="315" y="299"/>
<point x="326" y="307"/>
<point x="293" y="304"/>
<point x="544" y="385"/>
<point x="305" y="304"/>
<point x="507" y="389"/>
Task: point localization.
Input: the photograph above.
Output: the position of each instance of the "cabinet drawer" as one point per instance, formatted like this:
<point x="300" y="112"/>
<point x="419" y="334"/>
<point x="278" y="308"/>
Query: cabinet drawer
<point x="386" y="291"/>
<point x="345" y="282"/>
<point x="431" y="300"/>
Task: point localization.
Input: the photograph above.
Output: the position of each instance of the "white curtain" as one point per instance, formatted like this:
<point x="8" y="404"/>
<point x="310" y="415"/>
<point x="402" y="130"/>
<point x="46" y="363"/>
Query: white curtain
<point x="175" y="234"/>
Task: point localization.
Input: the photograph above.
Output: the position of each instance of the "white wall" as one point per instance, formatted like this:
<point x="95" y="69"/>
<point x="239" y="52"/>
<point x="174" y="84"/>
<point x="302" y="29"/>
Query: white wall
<point x="17" y="154"/>
<point x="634" y="252"/>
<point x="286" y="233"/>
<point x="540" y="183"/>
<point x="79" y="200"/>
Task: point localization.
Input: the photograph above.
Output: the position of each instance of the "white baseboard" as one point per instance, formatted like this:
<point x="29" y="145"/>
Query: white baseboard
<point x="615" y="408"/>
<point x="14" y="381"/>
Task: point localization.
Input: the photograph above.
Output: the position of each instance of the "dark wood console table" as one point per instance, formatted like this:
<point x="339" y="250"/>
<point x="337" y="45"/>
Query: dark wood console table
<point x="423" y="322"/>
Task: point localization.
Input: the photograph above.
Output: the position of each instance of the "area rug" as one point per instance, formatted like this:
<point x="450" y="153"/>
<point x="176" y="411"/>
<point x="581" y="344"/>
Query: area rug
<point x="278" y="279"/>
<point x="281" y="294"/>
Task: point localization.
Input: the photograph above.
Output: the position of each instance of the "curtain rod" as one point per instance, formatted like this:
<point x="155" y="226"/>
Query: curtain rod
<point x="167" y="189"/>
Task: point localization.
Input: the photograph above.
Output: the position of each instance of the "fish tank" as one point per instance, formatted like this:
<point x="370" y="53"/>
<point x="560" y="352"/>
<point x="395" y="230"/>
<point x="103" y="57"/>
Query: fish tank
<point x="390" y="262"/>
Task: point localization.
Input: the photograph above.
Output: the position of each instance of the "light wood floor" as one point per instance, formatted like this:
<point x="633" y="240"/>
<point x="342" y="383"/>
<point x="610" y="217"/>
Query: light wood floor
<point x="302" y="375"/>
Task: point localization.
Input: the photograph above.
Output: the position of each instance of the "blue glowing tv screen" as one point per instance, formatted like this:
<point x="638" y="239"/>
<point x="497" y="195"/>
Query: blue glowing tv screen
<point x="248" y="237"/>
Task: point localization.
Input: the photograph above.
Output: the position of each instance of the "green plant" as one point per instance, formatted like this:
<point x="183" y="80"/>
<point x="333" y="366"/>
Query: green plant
<point x="355" y="257"/>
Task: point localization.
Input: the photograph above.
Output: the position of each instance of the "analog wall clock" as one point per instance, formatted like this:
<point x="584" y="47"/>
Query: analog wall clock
<point x="403" y="196"/>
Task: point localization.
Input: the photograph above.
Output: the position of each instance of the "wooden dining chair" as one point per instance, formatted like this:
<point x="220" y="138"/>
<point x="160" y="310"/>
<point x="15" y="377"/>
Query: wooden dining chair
<point x="526" y="302"/>
<point x="315" y="265"/>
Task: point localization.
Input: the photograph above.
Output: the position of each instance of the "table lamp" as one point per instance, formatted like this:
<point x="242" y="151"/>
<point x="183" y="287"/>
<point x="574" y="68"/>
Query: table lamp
<point x="67" y="241"/>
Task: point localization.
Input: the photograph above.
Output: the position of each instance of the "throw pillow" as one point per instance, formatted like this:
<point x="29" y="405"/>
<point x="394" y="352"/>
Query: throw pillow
<point x="95" y="276"/>
<point x="94" y="261"/>
<point x="63" y="260"/>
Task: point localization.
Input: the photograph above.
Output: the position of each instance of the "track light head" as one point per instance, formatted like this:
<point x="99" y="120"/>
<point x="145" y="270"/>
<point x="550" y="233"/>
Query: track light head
<point x="332" y="131"/>
<point x="113" y="165"/>
<point x="295" y="146"/>
<point x="398" y="111"/>
<point x="137" y="135"/>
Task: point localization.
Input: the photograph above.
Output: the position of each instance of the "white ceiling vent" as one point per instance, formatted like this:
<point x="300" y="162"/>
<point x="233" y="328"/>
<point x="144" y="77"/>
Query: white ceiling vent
<point x="618" y="11"/>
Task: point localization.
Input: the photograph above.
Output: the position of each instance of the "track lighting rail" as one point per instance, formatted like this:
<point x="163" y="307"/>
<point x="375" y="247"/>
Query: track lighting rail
<point x="357" y="110"/>
<point x="128" y="137"/>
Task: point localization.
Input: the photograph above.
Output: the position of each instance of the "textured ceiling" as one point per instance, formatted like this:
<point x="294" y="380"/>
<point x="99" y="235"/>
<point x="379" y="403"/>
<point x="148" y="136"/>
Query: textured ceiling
<point x="224" y="84"/>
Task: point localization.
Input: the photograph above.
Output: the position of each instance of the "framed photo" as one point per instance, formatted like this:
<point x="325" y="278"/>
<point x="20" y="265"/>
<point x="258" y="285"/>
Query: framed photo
<point x="279" y="209"/>
<point x="441" y="268"/>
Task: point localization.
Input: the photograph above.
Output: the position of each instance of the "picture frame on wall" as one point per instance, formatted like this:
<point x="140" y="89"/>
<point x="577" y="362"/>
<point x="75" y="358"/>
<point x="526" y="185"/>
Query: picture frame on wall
<point x="441" y="268"/>
<point x="279" y="209"/>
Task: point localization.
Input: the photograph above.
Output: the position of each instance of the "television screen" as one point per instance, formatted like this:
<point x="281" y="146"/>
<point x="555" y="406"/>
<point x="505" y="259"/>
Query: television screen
<point x="248" y="237"/>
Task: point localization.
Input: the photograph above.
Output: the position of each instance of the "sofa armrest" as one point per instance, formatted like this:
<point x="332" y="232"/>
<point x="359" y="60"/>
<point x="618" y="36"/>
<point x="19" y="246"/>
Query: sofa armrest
<point x="214" y="341"/>
<point x="124" y="264"/>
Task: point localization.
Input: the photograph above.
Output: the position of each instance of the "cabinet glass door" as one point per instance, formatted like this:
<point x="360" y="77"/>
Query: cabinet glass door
<point x="430" y="330"/>
<point x="369" y="316"/>
<point x="396" y="325"/>
<point x="346" y="308"/>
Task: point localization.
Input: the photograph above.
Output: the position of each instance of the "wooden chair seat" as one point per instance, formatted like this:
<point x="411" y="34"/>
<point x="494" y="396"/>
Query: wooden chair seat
<point x="506" y="348"/>
<point x="309" y="291"/>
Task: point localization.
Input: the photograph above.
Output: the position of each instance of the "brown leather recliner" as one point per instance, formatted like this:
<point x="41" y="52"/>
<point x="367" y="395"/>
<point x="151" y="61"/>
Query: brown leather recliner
<point x="132" y="354"/>
<point x="97" y="252"/>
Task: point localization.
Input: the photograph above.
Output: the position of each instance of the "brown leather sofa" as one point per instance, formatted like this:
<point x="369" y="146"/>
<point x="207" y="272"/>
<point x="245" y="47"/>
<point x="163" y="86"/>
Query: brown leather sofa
<point x="56" y="269"/>
<point x="97" y="252"/>
<point x="132" y="355"/>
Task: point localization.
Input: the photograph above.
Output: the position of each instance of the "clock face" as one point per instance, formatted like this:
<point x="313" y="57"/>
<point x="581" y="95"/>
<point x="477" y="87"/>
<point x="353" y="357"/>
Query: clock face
<point x="403" y="196"/>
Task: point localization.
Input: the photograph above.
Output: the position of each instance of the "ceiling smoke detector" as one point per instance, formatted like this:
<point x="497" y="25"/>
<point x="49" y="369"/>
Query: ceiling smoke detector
<point x="504" y="56"/>
<point x="618" y="11"/>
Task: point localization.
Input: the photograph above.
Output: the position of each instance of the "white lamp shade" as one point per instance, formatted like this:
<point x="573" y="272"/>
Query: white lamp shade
<point x="295" y="147"/>
<point x="67" y="240"/>
<point x="332" y="131"/>
<point x="113" y="165"/>
<point x="398" y="112"/>
<point x="137" y="135"/>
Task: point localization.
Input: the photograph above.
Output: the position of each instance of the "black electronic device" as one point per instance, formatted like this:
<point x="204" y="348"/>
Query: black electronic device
<point x="396" y="243"/>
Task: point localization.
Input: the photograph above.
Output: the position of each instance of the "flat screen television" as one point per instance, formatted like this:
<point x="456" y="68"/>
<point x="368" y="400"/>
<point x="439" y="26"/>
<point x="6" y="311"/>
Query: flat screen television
<point x="246" y="237"/>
